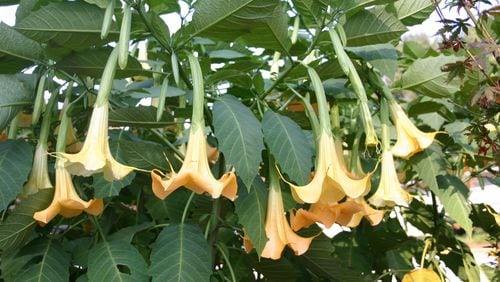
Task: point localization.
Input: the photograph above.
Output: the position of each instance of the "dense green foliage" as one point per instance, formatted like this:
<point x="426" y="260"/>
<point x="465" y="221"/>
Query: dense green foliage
<point x="282" y="82"/>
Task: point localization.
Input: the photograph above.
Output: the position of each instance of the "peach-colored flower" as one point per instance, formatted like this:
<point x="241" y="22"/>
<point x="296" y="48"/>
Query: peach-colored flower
<point x="195" y="173"/>
<point x="95" y="155"/>
<point x="66" y="201"/>
<point x="389" y="191"/>
<point x="410" y="139"/>
<point x="278" y="231"/>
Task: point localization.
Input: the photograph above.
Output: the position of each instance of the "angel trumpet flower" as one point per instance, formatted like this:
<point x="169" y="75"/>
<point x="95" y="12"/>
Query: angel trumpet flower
<point x="330" y="171"/>
<point x="195" y="172"/>
<point x="278" y="231"/>
<point x="39" y="176"/>
<point x="410" y="139"/>
<point x="95" y="155"/>
<point x="66" y="201"/>
<point x="389" y="191"/>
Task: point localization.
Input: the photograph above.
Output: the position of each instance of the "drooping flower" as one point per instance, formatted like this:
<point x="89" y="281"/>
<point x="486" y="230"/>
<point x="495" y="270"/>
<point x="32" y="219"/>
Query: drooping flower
<point x="410" y="139"/>
<point x="330" y="171"/>
<point x="66" y="201"/>
<point x="39" y="176"/>
<point x="278" y="231"/>
<point x="389" y="191"/>
<point x="95" y="155"/>
<point x="195" y="173"/>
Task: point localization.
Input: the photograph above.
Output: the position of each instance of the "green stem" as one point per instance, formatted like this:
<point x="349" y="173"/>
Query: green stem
<point x="186" y="208"/>
<point x="197" y="119"/>
<point x="14" y="125"/>
<point x="63" y="126"/>
<point x="47" y="116"/>
<point x="323" y="108"/>
<point x="168" y="143"/>
<point x="107" y="78"/>
<point x="227" y="262"/>
<point x="384" y="117"/>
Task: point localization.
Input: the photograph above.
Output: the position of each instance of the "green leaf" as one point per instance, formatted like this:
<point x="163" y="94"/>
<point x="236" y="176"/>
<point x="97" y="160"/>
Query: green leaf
<point x="180" y="253"/>
<point x="412" y="12"/>
<point x="138" y="117"/>
<point x="104" y="188"/>
<point x="75" y="25"/>
<point x="159" y="28"/>
<point x="426" y="77"/>
<point x="128" y="233"/>
<point x="382" y="56"/>
<point x="453" y="194"/>
<point x="13" y="94"/>
<point x="372" y="26"/>
<point x="100" y="3"/>
<point x="15" y="164"/>
<point x="47" y="262"/>
<point x="17" y="51"/>
<point x="457" y="131"/>
<point x="240" y="136"/>
<point x="350" y="7"/>
<point x="116" y="261"/>
<point x="19" y="225"/>
<point x="288" y="144"/>
<point x="309" y="9"/>
<point x="226" y="54"/>
<point x="251" y="209"/>
<point x="142" y="154"/>
<point x="263" y="22"/>
<point x="91" y="63"/>
<point x="163" y="6"/>
<point x="320" y="261"/>
<point x="236" y="77"/>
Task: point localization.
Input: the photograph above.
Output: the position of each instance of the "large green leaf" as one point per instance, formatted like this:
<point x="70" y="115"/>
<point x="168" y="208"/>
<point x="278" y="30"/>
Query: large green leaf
<point x="104" y="188"/>
<point x="350" y="7"/>
<point x="15" y="164"/>
<point x="75" y="25"/>
<point x="13" y="94"/>
<point x="240" y="136"/>
<point x="180" y="253"/>
<point x="372" y="26"/>
<point x="263" y="23"/>
<point x="251" y="209"/>
<point x="48" y="262"/>
<point x="309" y="9"/>
<point x="142" y="154"/>
<point x="320" y="261"/>
<point x="412" y="12"/>
<point x="289" y="145"/>
<point x="20" y="224"/>
<point x="17" y="51"/>
<point x="382" y="56"/>
<point x="139" y="117"/>
<point x="453" y="194"/>
<point x="91" y="63"/>
<point x="116" y="261"/>
<point x="426" y="77"/>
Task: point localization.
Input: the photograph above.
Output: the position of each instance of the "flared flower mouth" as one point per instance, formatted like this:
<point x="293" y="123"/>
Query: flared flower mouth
<point x="411" y="140"/>
<point x="66" y="201"/>
<point x="95" y="155"/>
<point x="195" y="173"/>
<point x="389" y="191"/>
<point x="39" y="176"/>
<point x="331" y="174"/>
<point x="278" y="231"/>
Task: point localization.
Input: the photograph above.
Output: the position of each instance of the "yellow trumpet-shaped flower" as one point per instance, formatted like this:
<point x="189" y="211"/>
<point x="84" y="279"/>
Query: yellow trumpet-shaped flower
<point x="410" y="139"/>
<point x="195" y="173"/>
<point x="389" y="191"/>
<point x="278" y="231"/>
<point x="421" y="275"/>
<point x="66" y="201"/>
<point x="95" y="155"/>
<point x="39" y="176"/>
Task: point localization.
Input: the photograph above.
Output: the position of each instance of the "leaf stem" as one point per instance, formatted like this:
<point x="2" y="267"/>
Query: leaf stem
<point x="228" y="262"/>
<point x="186" y="208"/>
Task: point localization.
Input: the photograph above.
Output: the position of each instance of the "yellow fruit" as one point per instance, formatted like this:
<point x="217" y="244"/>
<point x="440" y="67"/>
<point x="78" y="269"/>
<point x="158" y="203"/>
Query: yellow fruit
<point x="421" y="275"/>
